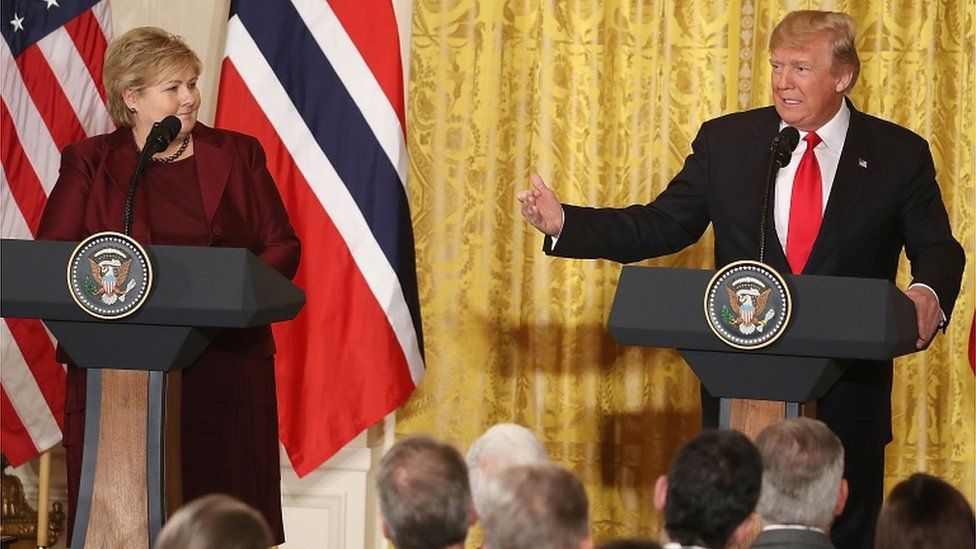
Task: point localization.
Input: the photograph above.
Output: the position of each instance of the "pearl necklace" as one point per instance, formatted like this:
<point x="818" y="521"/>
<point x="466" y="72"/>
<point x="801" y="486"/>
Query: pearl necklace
<point x="167" y="159"/>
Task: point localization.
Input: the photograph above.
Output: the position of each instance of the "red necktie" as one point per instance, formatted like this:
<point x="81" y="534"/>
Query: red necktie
<point x="806" y="207"/>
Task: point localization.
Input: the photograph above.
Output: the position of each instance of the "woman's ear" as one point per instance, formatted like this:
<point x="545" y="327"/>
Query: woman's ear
<point x="130" y="96"/>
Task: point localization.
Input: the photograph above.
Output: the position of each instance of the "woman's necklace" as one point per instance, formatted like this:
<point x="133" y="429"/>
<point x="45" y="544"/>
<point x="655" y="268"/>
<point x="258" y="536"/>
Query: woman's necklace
<point x="167" y="159"/>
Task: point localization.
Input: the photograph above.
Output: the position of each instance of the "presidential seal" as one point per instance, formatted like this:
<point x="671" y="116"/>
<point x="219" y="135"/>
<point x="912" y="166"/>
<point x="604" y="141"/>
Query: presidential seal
<point x="747" y="305"/>
<point x="109" y="275"/>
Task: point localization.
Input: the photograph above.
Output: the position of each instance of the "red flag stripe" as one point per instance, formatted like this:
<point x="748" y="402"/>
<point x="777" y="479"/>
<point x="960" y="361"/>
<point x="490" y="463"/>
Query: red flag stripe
<point x="17" y="445"/>
<point x="47" y="94"/>
<point x="76" y="82"/>
<point x="36" y="139"/>
<point x="91" y="44"/>
<point x="38" y="351"/>
<point x="40" y="428"/>
<point x="24" y="185"/>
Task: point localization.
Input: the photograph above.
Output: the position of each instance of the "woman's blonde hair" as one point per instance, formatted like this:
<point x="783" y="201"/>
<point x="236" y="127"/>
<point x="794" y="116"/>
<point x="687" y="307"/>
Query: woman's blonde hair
<point x="800" y="27"/>
<point x="140" y="58"/>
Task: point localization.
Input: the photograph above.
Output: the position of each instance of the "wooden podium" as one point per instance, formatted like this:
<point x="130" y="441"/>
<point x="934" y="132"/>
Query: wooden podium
<point x="130" y="477"/>
<point x="835" y="320"/>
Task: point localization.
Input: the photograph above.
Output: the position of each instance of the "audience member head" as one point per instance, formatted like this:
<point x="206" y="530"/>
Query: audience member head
<point x="538" y="506"/>
<point x="803" y="468"/>
<point x="925" y="512"/>
<point x="424" y="495"/>
<point x="503" y="445"/>
<point x="216" y="521"/>
<point x="711" y="490"/>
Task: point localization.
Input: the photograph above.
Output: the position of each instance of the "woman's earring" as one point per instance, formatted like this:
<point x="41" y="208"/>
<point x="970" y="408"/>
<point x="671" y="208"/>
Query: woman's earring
<point x="132" y="110"/>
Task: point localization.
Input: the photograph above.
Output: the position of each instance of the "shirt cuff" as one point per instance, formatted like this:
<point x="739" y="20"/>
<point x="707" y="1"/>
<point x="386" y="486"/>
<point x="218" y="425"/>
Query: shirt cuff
<point x="556" y="238"/>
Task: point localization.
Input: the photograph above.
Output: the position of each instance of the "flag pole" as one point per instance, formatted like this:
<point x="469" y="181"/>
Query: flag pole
<point x="43" y="494"/>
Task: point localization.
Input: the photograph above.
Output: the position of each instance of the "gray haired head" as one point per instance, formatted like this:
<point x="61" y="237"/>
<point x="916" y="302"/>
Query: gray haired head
<point x="539" y="506"/>
<point x="501" y="446"/>
<point x="803" y="466"/>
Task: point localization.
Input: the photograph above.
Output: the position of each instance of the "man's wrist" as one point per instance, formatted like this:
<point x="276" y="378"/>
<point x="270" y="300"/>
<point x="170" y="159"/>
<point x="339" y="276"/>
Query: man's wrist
<point x="939" y="302"/>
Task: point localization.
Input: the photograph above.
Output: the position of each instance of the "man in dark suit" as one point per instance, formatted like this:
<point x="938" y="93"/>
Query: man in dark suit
<point x="802" y="484"/>
<point x="856" y="191"/>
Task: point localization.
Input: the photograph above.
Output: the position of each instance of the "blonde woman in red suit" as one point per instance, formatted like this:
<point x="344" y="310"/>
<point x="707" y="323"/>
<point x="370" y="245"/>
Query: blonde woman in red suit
<point x="208" y="188"/>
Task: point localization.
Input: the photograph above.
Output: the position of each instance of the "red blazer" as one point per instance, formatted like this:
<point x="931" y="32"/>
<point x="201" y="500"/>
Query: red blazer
<point x="240" y="199"/>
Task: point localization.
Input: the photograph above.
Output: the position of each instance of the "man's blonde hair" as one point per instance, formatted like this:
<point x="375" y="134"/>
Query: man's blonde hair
<point x="140" y="58"/>
<point x="800" y="27"/>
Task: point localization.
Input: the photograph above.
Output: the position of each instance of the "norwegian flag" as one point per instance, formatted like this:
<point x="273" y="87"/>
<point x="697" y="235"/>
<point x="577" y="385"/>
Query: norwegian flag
<point x="52" y="95"/>
<point x="320" y="84"/>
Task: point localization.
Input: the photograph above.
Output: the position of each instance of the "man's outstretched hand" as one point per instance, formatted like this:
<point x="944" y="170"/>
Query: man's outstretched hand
<point x="541" y="208"/>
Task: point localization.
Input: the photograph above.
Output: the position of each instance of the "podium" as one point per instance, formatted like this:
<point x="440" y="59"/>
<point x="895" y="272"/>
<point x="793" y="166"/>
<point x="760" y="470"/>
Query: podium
<point x="835" y="320"/>
<point x="130" y="477"/>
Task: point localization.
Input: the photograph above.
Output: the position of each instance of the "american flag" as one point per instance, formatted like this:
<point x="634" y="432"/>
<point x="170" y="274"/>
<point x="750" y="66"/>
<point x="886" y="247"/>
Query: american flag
<point x="52" y="95"/>
<point x="320" y="84"/>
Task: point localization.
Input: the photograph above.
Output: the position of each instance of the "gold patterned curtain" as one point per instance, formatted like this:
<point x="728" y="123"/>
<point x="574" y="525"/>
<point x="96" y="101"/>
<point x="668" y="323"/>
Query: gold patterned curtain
<point x="603" y="98"/>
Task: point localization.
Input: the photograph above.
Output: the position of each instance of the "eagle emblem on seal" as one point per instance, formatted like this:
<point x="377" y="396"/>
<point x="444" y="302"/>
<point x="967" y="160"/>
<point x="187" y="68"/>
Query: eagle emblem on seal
<point x="109" y="273"/>
<point x="749" y="308"/>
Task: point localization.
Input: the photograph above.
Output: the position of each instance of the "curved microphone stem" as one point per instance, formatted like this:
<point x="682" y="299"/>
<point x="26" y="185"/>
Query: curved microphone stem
<point x="766" y="199"/>
<point x="127" y="225"/>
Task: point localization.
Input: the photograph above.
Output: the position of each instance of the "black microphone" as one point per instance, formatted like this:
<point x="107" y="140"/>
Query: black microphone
<point x="780" y="152"/>
<point x="160" y="136"/>
<point x="783" y="145"/>
<point x="163" y="132"/>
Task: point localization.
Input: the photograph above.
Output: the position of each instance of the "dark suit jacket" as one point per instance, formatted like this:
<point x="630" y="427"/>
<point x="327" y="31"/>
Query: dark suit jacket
<point x="884" y="198"/>
<point x="785" y="539"/>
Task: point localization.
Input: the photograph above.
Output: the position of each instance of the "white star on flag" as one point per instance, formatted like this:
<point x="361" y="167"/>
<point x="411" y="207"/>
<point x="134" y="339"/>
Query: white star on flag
<point x="17" y="22"/>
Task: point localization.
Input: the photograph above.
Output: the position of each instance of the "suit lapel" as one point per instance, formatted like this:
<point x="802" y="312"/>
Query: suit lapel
<point x="853" y="175"/>
<point x="213" y="167"/>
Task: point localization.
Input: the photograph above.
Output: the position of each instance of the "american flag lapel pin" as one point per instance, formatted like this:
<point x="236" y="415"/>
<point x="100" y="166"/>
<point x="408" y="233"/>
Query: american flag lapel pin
<point x="862" y="162"/>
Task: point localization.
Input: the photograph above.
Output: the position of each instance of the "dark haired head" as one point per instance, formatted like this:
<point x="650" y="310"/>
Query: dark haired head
<point x="925" y="512"/>
<point x="712" y="488"/>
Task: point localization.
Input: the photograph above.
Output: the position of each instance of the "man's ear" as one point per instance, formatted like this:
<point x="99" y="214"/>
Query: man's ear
<point x="841" y="497"/>
<point x="474" y="516"/>
<point x="745" y="532"/>
<point x="586" y="543"/>
<point x="843" y="80"/>
<point x="661" y="492"/>
<point x="386" y="529"/>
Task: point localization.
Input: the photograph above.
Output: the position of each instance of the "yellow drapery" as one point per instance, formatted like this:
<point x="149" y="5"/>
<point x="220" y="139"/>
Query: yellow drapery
<point x="603" y="98"/>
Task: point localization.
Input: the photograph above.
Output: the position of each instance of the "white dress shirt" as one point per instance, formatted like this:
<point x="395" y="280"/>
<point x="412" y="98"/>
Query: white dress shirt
<point x="833" y="134"/>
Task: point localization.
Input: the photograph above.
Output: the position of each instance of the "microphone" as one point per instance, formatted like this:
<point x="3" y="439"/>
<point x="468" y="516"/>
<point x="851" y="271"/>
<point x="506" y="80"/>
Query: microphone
<point x="783" y="145"/>
<point x="780" y="152"/>
<point x="163" y="132"/>
<point x="160" y="136"/>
